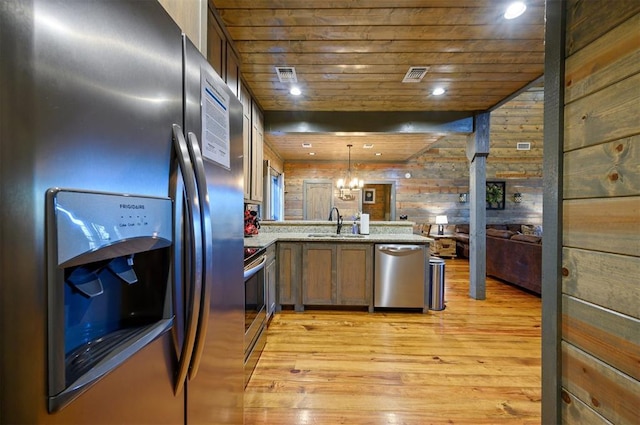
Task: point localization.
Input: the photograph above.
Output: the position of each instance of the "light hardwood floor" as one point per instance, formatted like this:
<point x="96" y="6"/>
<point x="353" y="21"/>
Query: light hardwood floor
<point x="476" y="362"/>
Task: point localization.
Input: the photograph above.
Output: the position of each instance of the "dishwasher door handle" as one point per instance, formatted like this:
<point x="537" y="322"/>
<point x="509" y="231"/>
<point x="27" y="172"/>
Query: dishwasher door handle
<point x="400" y="249"/>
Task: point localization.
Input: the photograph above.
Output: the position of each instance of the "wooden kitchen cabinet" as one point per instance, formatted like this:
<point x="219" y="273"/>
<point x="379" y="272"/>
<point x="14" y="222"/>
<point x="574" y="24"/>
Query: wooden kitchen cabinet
<point x="216" y="43"/>
<point x="245" y="99"/>
<point x="289" y="275"/>
<point x="252" y="147"/>
<point x="319" y="274"/>
<point x="271" y="280"/>
<point x="232" y="76"/>
<point x="257" y="153"/>
<point x="355" y="275"/>
<point x="337" y="274"/>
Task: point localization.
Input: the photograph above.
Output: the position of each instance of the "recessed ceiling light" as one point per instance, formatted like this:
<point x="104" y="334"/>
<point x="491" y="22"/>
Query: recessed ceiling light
<point x="367" y="146"/>
<point x="295" y="91"/>
<point x="515" y="9"/>
<point x="312" y="153"/>
<point x="378" y="153"/>
<point x="438" y="91"/>
<point x="306" y="145"/>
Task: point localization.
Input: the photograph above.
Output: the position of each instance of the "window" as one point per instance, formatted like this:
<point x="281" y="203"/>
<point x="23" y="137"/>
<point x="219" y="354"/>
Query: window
<point x="274" y="195"/>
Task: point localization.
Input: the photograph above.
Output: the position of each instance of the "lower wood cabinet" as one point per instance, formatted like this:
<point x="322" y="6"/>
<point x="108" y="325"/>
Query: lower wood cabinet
<point x="319" y="274"/>
<point x="289" y="274"/>
<point x="324" y="274"/>
<point x="354" y="275"/>
<point x="271" y="280"/>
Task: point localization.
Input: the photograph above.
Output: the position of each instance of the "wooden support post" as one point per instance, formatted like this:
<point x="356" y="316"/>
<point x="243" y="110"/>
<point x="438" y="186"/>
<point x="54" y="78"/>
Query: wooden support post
<point x="477" y="152"/>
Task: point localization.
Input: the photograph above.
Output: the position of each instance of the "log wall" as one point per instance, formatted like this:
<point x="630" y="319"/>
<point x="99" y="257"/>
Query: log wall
<point x="440" y="173"/>
<point x="600" y="317"/>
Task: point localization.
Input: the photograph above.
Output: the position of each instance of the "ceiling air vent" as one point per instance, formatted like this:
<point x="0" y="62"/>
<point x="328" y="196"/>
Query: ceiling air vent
<point x="286" y="74"/>
<point x="523" y="146"/>
<point x="415" y="74"/>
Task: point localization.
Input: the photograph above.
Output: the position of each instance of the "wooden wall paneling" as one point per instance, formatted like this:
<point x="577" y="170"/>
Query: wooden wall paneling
<point x="603" y="115"/>
<point x="603" y="224"/>
<point x="603" y="170"/>
<point x="588" y="20"/>
<point x="612" y="394"/>
<point x="604" y="279"/>
<point x="608" y="60"/>
<point x="602" y="333"/>
<point x="432" y="188"/>
<point x="441" y="171"/>
<point x="576" y="412"/>
<point x="601" y="213"/>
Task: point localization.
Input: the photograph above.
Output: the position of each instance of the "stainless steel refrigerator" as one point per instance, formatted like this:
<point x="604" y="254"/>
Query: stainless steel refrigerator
<point x="121" y="238"/>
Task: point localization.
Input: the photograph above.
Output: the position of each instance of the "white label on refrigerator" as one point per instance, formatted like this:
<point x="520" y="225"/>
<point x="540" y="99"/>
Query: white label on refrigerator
<point x="216" y="145"/>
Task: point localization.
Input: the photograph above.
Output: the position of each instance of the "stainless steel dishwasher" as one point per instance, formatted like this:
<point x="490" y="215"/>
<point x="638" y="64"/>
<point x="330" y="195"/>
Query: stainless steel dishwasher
<point x="400" y="276"/>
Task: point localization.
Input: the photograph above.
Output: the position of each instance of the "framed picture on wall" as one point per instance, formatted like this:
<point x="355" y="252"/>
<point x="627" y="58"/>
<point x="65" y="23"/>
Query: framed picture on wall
<point x="369" y="196"/>
<point x="495" y="195"/>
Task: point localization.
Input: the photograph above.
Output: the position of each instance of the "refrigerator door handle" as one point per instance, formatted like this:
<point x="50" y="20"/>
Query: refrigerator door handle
<point x="196" y="257"/>
<point x="207" y="246"/>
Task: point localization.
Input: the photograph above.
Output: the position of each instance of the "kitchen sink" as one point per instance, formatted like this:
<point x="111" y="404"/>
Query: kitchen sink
<point x="334" y="235"/>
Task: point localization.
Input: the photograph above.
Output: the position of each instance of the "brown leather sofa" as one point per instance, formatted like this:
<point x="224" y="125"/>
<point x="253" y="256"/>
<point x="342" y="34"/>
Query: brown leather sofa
<point x="511" y="256"/>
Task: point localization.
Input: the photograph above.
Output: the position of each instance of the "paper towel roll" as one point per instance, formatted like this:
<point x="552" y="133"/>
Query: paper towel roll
<point x="364" y="224"/>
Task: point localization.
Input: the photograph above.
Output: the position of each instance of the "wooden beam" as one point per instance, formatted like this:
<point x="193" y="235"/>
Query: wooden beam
<point x="373" y="122"/>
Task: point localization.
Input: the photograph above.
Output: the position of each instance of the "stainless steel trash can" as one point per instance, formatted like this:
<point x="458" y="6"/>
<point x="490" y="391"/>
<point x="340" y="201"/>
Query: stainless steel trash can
<point x="436" y="284"/>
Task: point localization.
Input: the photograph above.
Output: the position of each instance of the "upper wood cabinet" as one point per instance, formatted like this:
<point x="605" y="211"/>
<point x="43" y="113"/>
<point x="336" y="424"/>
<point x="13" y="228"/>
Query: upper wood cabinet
<point x="233" y="71"/>
<point x="221" y="55"/>
<point x="257" y="153"/>
<point x="253" y="153"/>
<point x="224" y="60"/>
<point x="191" y="17"/>
<point x="216" y="44"/>
<point x="245" y="99"/>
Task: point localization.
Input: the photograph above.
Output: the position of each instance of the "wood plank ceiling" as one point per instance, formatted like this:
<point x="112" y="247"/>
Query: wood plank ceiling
<point x="351" y="57"/>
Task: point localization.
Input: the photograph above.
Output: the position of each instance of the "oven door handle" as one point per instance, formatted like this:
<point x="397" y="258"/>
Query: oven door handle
<point x="255" y="269"/>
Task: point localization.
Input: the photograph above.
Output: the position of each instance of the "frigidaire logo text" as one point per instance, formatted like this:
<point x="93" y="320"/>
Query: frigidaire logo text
<point x="132" y="206"/>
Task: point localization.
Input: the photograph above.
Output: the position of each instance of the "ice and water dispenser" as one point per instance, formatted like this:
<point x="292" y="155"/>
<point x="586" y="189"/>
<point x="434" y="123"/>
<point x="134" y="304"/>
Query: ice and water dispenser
<point x="109" y="286"/>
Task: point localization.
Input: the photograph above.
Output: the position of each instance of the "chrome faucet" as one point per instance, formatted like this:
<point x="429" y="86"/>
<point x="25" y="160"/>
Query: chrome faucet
<point x="338" y="218"/>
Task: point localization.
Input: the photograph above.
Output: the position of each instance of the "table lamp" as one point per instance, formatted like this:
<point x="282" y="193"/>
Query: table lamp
<point x="441" y="220"/>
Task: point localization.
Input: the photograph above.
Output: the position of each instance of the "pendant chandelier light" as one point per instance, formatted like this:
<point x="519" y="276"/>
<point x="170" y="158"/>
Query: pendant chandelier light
<point x="349" y="184"/>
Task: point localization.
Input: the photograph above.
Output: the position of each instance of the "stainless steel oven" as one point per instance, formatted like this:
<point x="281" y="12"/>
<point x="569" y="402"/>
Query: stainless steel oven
<point x="255" y="309"/>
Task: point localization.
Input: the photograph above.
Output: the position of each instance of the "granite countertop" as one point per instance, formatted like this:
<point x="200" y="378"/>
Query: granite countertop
<point x="266" y="239"/>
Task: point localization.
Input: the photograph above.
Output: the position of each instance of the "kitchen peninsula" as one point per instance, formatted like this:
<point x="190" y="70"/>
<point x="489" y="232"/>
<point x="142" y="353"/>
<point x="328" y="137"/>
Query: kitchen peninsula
<point x="315" y="266"/>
